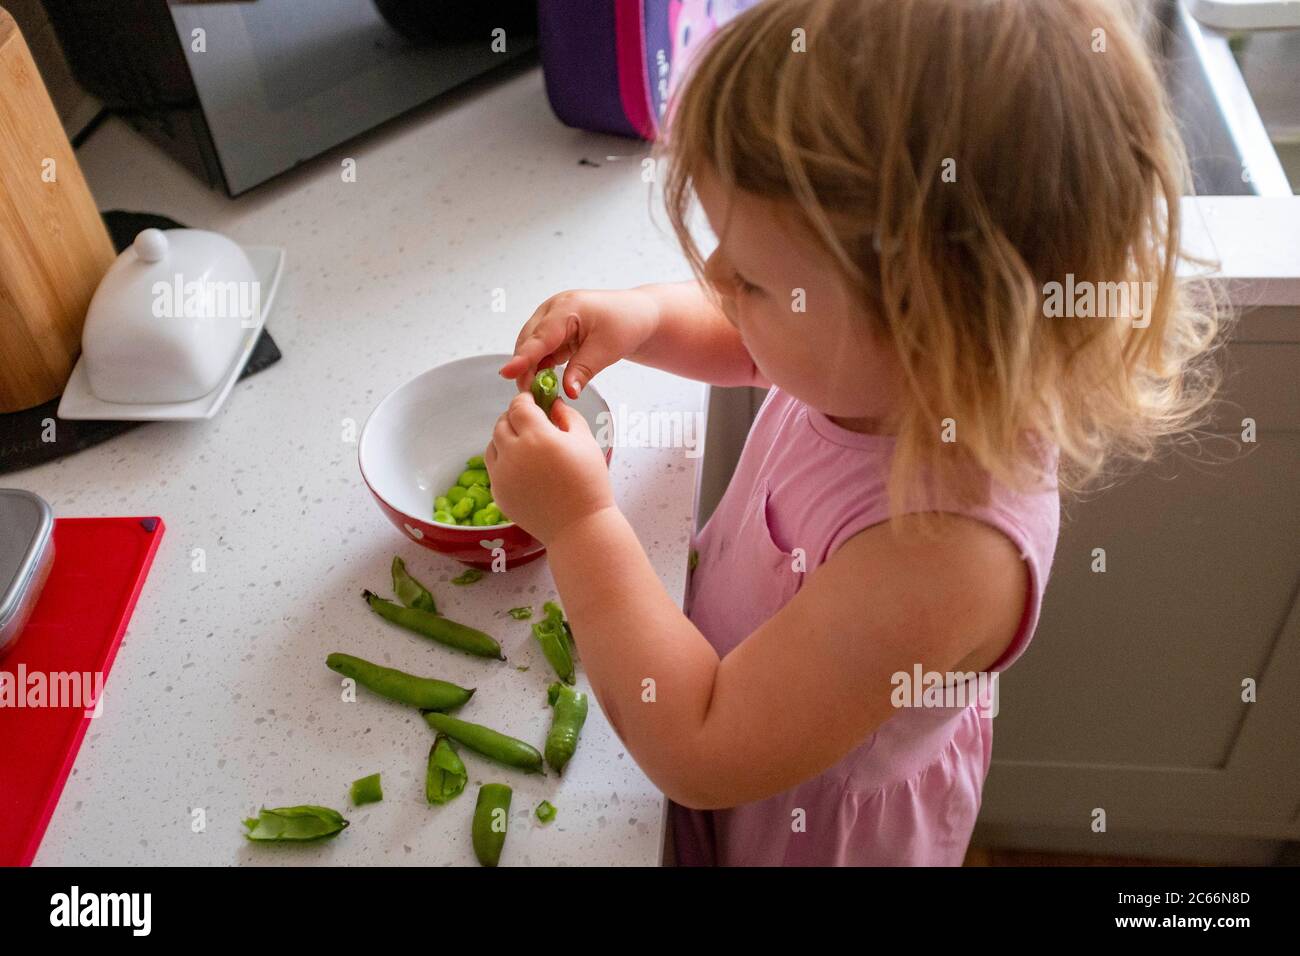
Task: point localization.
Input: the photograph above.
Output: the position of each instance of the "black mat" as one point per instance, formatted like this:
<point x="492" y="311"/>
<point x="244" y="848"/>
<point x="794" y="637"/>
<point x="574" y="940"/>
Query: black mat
<point x="20" y="432"/>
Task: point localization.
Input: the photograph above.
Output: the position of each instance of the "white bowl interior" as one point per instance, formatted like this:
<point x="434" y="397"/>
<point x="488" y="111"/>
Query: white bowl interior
<point x="416" y="441"/>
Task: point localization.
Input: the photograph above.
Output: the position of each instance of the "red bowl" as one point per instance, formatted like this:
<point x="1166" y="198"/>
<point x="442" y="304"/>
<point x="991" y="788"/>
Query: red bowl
<point x="416" y="441"/>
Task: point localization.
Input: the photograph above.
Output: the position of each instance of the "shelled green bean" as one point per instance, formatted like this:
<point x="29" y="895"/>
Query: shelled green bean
<point x="469" y="500"/>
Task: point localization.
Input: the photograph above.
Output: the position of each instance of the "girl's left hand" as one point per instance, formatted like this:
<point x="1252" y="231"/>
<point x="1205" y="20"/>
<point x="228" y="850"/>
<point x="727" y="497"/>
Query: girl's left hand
<point x="545" y="474"/>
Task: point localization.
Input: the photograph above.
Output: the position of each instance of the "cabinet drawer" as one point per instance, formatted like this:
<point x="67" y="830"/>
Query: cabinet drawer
<point x="1261" y="380"/>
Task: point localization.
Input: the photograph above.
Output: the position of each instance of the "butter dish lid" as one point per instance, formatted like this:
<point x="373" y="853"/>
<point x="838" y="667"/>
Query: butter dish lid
<point x="167" y="320"/>
<point x="26" y="524"/>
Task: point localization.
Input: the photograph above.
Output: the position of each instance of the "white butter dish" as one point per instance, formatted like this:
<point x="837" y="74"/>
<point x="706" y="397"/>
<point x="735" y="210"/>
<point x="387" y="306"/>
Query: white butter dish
<point x="167" y="319"/>
<point x="80" y="401"/>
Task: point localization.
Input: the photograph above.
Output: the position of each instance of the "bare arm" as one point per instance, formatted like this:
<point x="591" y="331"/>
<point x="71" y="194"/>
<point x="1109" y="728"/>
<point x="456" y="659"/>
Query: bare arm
<point x="805" y="688"/>
<point x="672" y="326"/>
<point x="693" y="338"/>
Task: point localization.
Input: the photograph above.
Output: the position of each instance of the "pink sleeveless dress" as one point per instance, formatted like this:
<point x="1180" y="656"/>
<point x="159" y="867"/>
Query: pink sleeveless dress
<point x="910" y="793"/>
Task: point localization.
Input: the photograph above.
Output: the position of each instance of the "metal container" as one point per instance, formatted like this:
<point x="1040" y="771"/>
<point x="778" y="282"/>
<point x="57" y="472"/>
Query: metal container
<point x="26" y="555"/>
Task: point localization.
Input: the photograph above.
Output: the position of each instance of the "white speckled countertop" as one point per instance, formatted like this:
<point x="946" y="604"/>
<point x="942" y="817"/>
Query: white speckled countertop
<point x="219" y="698"/>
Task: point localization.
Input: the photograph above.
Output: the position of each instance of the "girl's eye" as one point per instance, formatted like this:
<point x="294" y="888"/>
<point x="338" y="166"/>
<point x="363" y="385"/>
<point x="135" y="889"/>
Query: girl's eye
<point x="745" y="287"/>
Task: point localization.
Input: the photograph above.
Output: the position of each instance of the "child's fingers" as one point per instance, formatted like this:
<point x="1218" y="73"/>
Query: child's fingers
<point x="592" y="356"/>
<point x="503" y="431"/>
<point x="565" y="416"/>
<point x="557" y="357"/>
<point x="546" y="337"/>
<point x="535" y="321"/>
<point x="515" y="367"/>
<point x="523" y="412"/>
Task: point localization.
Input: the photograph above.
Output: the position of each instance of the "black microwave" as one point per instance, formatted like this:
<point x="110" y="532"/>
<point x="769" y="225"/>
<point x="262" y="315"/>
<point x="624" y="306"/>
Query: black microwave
<point x="242" y="91"/>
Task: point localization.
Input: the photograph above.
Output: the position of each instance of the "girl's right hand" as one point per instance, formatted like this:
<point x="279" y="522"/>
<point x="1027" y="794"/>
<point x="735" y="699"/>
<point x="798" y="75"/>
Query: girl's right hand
<point x="590" y="329"/>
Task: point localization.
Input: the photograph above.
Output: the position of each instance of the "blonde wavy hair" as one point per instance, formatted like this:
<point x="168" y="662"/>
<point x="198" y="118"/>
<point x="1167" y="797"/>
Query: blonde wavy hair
<point x="1067" y="163"/>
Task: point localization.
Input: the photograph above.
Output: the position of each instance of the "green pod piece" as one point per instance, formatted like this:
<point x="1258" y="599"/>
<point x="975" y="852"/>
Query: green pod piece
<point x="554" y="611"/>
<point x="546" y="389"/>
<point x="367" y="790"/>
<point x="426" y="693"/>
<point x="410" y="591"/>
<point x="545" y="811"/>
<point x="468" y="576"/>
<point x="295" y="824"/>
<point x="491" y="818"/>
<point x="566" y="726"/>
<point x="488" y="742"/>
<point x="446" y="777"/>
<point x="435" y="627"/>
<point x="551" y="632"/>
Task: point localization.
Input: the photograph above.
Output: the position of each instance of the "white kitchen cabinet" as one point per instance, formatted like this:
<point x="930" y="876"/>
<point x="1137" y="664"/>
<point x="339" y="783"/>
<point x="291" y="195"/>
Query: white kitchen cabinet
<point x="1130" y="698"/>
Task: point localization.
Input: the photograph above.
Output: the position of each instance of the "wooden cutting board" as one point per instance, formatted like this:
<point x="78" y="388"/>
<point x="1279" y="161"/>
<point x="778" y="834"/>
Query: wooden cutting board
<point x="54" y="248"/>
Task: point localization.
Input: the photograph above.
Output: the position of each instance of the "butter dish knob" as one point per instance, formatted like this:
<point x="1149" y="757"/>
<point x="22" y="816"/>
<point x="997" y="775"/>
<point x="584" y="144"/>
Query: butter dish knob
<point x="150" y="245"/>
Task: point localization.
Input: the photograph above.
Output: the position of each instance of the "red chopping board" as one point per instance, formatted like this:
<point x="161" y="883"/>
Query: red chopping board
<point x="99" y="568"/>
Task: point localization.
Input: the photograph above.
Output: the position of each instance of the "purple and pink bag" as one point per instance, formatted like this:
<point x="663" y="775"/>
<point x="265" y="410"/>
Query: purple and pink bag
<point x="611" y="65"/>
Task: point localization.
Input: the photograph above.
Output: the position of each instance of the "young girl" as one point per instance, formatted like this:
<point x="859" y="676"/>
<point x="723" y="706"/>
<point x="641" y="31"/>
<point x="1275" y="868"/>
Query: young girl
<point x="895" y="186"/>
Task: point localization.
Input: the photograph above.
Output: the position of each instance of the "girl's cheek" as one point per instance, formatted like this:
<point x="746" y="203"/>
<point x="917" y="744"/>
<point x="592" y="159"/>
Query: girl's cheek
<point x="729" y="310"/>
<point x="771" y="344"/>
